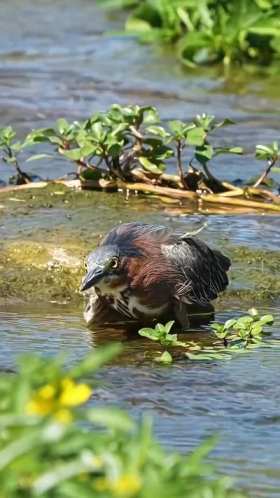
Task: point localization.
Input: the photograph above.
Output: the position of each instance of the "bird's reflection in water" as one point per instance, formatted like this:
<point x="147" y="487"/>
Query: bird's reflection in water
<point x="137" y="349"/>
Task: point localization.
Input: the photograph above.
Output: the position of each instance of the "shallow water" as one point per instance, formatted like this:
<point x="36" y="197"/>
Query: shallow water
<point x="58" y="63"/>
<point x="189" y="401"/>
<point x="238" y="399"/>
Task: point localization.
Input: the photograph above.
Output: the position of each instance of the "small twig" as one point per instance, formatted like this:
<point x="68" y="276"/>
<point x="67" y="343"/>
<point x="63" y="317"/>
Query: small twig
<point x="22" y="175"/>
<point x="179" y="148"/>
<point x="140" y="175"/>
<point x="136" y="133"/>
<point x="266" y="172"/>
<point x="158" y="190"/>
<point x="261" y="192"/>
<point x="195" y="232"/>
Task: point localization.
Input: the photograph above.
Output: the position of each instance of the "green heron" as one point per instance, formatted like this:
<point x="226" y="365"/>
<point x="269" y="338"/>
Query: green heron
<point x="144" y="272"/>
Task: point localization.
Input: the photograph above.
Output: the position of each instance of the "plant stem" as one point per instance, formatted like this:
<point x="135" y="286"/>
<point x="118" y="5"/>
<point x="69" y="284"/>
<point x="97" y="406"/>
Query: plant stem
<point x="24" y="177"/>
<point x="266" y="172"/>
<point x="179" y="148"/>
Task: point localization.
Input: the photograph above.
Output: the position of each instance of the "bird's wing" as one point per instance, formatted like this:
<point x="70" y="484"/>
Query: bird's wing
<point x="200" y="272"/>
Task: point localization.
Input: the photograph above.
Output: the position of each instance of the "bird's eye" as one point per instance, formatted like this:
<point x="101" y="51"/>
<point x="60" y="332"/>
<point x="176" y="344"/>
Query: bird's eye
<point x="114" y="263"/>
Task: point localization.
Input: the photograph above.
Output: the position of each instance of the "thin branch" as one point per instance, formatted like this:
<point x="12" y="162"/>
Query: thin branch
<point x="22" y="175"/>
<point x="266" y="172"/>
<point x="136" y="133"/>
<point x="179" y="148"/>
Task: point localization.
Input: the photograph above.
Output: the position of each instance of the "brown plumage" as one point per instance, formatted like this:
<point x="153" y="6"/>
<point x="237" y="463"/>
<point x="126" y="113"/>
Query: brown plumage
<point x="144" y="272"/>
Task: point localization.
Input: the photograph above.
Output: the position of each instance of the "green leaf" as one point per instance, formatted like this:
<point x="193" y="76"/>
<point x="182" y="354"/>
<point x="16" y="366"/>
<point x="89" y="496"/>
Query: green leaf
<point x="160" y="327"/>
<point x="149" y="333"/>
<point x="267" y="320"/>
<point x="256" y="329"/>
<point x="158" y="130"/>
<point x="244" y="321"/>
<point x="137" y="25"/>
<point x="196" y="136"/>
<point x="97" y="132"/>
<point x="267" y="152"/>
<point x="7" y="134"/>
<point x="228" y="150"/>
<point x="219" y="327"/>
<point x="168" y="326"/>
<point x="225" y="122"/>
<point x="149" y="115"/>
<point x="177" y="128"/>
<point x="62" y="126"/>
<point x="115" y="148"/>
<point x="88" y="149"/>
<point x="229" y="323"/>
<point x="164" y="358"/>
<point x="204" y="153"/>
<point x="73" y="154"/>
<point x="150" y="166"/>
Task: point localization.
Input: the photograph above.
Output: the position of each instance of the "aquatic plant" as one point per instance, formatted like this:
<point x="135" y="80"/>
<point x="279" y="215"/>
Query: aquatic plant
<point x="128" y="147"/>
<point x="53" y="444"/>
<point x="208" y="31"/>
<point x="9" y="150"/>
<point x="235" y="335"/>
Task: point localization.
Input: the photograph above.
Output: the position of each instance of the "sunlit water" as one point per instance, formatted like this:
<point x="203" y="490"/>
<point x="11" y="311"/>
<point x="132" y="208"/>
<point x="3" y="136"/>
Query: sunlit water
<point x="238" y="399"/>
<point x="55" y="61"/>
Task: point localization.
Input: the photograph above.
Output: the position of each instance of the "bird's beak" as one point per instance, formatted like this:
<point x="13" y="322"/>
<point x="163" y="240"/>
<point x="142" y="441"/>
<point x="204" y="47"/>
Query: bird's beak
<point x="93" y="276"/>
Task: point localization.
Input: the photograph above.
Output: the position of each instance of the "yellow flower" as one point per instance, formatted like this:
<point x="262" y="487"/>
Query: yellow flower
<point x="54" y="399"/>
<point x="46" y="392"/>
<point x="127" y="485"/>
<point x="64" y="416"/>
<point x="74" y="394"/>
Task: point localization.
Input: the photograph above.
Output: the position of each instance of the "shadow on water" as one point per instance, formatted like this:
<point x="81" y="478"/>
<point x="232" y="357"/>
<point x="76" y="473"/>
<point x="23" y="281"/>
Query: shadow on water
<point x="73" y="71"/>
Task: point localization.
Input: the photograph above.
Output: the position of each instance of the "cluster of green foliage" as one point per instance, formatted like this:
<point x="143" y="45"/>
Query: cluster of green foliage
<point x="116" y="143"/>
<point x="234" y="336"/>
<point x="207" y="31"/>
<point x="54" y="445"/>
<point x="113" y="143"/>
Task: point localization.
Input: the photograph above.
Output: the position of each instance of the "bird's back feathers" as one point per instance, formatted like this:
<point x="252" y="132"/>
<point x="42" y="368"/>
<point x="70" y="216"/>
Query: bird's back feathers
<point x="201" y="271"/>
<point x="185" y="267"/>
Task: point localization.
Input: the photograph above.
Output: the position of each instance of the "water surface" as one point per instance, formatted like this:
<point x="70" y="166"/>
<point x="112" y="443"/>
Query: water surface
<point x="238" y="399"/>
<point x="56" y="61"/>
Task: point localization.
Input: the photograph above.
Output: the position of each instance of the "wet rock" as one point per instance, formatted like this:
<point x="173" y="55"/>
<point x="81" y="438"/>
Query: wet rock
<point x="40" y="271"/>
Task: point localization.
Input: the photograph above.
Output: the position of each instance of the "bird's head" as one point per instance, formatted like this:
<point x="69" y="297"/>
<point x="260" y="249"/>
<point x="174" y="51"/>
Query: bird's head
<point x="102" y="264"/>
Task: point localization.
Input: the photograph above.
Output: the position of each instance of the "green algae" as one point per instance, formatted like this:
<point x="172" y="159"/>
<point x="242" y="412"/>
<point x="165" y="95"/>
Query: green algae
<point x="48" y="232"/>
<point x="52" y="272"/>
<point x="40" y="272"/>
